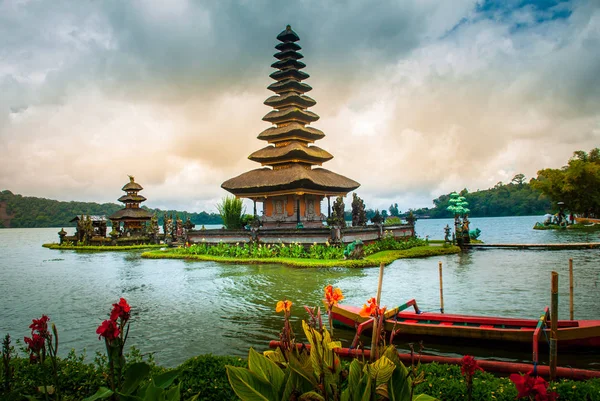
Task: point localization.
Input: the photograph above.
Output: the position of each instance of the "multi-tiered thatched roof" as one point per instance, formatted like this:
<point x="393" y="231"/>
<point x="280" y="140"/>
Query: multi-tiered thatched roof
<point x="290" y="158"/>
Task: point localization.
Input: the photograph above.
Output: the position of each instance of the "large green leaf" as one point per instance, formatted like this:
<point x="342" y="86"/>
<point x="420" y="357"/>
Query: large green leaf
<point x="424" y="397"/>
<point x="382" y="369"/>
<point x="102" y="393"/>
<point x="164" y="380"/>
<point x="174" y="393"/>
<point x="154" y="393"/>
<point x="303" y="367"/>
<point x="249" y="386"/>
<point x="267" y="369"/>
<point x="294" y="382"/>
<point x="365" y="385"/>
<point x="399" y="384"/>
<point x="311" y="396"/>
<point x="134" y="375"/>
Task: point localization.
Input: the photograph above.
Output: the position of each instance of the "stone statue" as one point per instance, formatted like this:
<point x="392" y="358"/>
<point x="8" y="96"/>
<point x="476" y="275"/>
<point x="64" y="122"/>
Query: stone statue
<point x="179" y="227"/>
<point x="354" y="250"/>
<point x="474" y="234"/>
<point x="447" y="233"/>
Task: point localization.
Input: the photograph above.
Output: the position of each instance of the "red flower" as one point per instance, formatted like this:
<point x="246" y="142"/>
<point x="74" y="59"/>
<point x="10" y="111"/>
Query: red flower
<point x="108" y="329"/>
<point x="530" y="386"/>
<point x="40" y="325"/>
<point x="120" y="310"/>
<point x="35" y="343"/>
<point x="469" y="366"/>
<point x="370" y="308"/>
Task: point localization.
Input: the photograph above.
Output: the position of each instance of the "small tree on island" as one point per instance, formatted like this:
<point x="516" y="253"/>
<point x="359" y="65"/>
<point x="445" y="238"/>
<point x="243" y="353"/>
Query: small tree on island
<point x="337" y="215"/>
<point x="231" y="210"/>
<point x="359" y="216"/>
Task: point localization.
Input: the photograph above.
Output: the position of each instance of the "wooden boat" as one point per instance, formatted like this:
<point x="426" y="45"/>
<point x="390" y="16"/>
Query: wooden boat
<point x="450" y="327"/>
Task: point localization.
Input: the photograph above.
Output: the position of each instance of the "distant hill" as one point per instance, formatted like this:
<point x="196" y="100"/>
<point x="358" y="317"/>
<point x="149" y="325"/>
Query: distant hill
<point x="514" y="199"/>
<point x="28" y="211"/>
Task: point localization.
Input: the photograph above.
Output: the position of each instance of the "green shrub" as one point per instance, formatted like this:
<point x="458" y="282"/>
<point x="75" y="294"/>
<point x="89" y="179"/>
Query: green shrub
<point x="231" y="210"/>
<point x="205" y="376"/>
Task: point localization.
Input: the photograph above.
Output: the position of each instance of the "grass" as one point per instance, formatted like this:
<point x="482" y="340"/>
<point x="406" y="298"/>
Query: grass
<point x="100" y="247"/>
<point x="385" y="257"/>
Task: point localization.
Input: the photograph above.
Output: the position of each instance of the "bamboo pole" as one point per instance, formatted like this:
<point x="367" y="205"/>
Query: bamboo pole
<point x="571" y="314"/>
<point x="553" y="326"/>
<point x="441" y="289"/>
<point x="374" y="338"/>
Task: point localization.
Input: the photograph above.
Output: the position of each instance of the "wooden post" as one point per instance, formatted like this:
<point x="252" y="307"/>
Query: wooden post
<point x="553" y="326"/>
<point x="571" y="289"/>
<point x="375" y="322"/>
<point x="441" y="289"/>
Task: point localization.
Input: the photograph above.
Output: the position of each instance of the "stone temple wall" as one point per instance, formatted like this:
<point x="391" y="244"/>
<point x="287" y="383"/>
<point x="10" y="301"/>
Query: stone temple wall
<point x="305" y="236"/>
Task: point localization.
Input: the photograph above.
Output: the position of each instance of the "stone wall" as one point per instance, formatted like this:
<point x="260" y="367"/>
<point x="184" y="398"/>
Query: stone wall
<point x="302" y="236"/>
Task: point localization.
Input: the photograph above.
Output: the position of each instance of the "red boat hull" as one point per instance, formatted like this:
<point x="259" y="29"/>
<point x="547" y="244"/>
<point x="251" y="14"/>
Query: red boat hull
<point x="571" y="333"/>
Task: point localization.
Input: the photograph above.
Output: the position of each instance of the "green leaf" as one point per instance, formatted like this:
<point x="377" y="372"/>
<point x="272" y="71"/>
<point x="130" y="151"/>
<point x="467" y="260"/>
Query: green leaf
<point x="154" y="393"/>
<point x="266" y="369"/>
<point x="303" y="367"/>
<point x="424" y="397"/>
<point x="173" y="394"/>
<point x="382" y="369"/>
<point x="134" y="375"/>
<point x="102" y="393"/>
<point x="311" y="396"/>
<point x="354" y="380"/>
<point x="164" y="380"/>
<point x="249" y="386"/>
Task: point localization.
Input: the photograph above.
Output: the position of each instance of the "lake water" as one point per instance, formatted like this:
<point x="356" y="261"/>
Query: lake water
<point x="182" y="309"/>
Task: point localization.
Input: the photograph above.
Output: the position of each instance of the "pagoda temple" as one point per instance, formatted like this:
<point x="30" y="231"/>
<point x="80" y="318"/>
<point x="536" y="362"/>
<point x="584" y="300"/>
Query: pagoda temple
<point x="291" y="184"/>
<point x="132" y="216"/>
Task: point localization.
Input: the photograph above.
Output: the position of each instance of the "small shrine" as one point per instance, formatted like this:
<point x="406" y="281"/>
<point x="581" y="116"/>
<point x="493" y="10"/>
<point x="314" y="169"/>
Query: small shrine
<point x="291" y="184"/>
<point x="132" y="216"/>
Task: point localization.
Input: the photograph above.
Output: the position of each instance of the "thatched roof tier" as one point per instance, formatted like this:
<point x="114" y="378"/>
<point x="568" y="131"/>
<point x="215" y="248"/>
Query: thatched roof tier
<point x="131" y="198"/>
<point x="289" y="85"/>
<point x="288" y="46"/>
<point x="132" y="185"/>
<point x="293" y="180"/>
<point x="288" y="63"/>
<point x="293" y="152"/>
<point x="282" y="75"/>
<point x="290" y="115"/>
<point x="291" y="131"/>
<point x="288" y="35"/>
<point x="290" y="99"/>
<point x="288" y="54"/>
<point x="131" y="214"/>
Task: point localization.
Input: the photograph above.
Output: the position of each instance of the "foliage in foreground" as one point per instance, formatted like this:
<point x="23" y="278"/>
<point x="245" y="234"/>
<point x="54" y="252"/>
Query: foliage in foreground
<point x="205" y="376"/>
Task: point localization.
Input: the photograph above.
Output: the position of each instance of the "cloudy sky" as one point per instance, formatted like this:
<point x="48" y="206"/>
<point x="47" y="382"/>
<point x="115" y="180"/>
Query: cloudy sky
<point x="417" y="97"/>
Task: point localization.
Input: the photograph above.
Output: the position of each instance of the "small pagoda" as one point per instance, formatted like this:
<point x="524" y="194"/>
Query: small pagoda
<point x="132" y="216"/>
<point x="291" y="184"/>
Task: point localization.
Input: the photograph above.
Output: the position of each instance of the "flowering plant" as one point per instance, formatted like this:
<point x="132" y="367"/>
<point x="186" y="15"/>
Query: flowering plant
<point x="115" y="331"/>
<point x="468" y="368"/>
<point x="42" y="343"/>
<point x="332" y="297"/>
<point x="287" y="335"/>
<point x="533" y="387"/>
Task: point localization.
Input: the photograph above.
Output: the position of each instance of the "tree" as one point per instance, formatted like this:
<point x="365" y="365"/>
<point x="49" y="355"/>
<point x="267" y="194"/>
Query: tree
<point x="518" y="179"/>
<point x="577" y="184"/>
<point x="394" y="212"/>
<point x="359" y="216"/>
